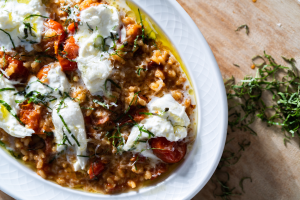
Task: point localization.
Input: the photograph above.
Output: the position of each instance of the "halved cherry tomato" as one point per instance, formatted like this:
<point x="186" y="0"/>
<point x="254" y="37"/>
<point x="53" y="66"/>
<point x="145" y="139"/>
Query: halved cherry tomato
<point x="55" y="31"/>
<point x="101" y="120"/>
<point x="138" y="116"/>
<point x="42" y="74"/>
<point x="133" y="30"/>
<point x="72" y="27"/>
<point x="14" y="68"/>
<point x="86" y="4"/>
<point x="30" y="115"/>
<point x="95" y="169"/>
<point x="67" y="56"/>
<point x="169" y="152"/>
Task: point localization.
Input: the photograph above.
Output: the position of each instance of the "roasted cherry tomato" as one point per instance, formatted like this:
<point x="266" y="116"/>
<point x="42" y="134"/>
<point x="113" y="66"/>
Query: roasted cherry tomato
<point x="56" y="32"/>
<point x="72" y="27"/>
<point x="14" y="68"/>
<point x="138" y="116"/>
<point x="133" y="30"/>
<point x="86" y="4"/>
<point x="42" y="74"/>
<point x="30" y="115"/>
<point x="95" y="169"/>
<point x="67" y="56"/>
<point x="169" y="152"/>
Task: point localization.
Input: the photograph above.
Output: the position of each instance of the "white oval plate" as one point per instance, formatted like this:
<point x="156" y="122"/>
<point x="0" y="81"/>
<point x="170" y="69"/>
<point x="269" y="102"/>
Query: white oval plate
<point x="22" y="183"/>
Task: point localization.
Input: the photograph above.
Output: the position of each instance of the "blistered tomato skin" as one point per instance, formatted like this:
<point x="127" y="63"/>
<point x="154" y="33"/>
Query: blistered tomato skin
<point x="30" y="116"/>
<point x="95" y="169"/>
<point x="169" y="152"/>
<point x="42" y="74"/>
<point x="72" y="28"/>
<point x="14" y="68"/>
<point x="58" y="30"/>
<point x="86" y="4"/>
<point x="67" y="56"/>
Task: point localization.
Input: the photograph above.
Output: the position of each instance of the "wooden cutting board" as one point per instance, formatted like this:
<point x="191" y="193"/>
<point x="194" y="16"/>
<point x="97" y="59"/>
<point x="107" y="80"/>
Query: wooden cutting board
<point x="274" y="27"/>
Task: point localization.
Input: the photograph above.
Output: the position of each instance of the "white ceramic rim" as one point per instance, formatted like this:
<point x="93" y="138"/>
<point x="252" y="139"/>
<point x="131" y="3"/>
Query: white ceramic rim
<point x="22" y="183"/>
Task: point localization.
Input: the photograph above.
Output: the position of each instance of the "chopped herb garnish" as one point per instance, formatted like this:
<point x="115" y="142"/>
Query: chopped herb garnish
<point x="48" y="133"/>
<point x="5" y="89"/>
<point x="27" y="28"/>
<point x="138" y="71"/>
<point x="9" y="109"/>
<point x="14" y="154"/>
<point x="34" y="15"/>
<point x="90" y="28"/>
<point x="9" y="37"/>
<point x="38" y="61"/>
<point x="114" y="83"/>
<point x="236" y="65"/>
<point x="113" y="39"/>
<point x="130" y="104"/>
<point x="104" y="105"/>
<point x="135" y="44"/>
<point x="143" y="28"/>
<point x="65" y="56"/>
<point x="2" y="144"/>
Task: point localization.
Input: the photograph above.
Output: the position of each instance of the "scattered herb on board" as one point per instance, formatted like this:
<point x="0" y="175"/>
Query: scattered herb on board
<point x="244" y="26"/>
<point x="280" y="87"/>
<point x="242" y="180"/>
<point x="278" y="84"/>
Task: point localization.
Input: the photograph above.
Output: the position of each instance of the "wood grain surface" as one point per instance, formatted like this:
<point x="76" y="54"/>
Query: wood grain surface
<point x="274" y="168"/>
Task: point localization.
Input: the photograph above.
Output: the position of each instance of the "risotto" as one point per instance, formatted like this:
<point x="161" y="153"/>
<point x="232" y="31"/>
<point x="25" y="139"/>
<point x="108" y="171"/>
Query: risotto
<point x="89" y="96"/>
